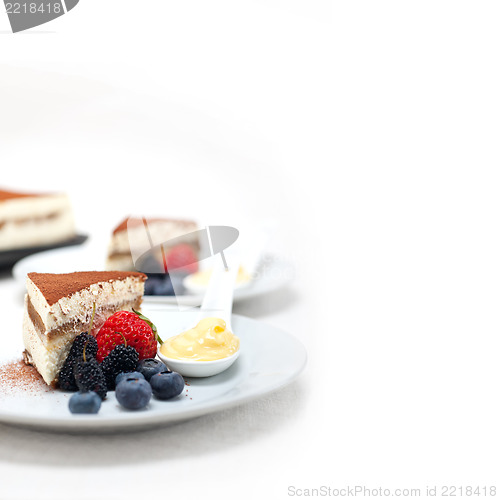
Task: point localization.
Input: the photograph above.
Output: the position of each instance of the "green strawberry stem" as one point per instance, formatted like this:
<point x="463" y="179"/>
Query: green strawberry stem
<point x="149" y="322"/>
<point x="124" y="338"/>
<point x="89" y="331"/>
<point x="84" y="351"/>
<point x="91" y="320"/>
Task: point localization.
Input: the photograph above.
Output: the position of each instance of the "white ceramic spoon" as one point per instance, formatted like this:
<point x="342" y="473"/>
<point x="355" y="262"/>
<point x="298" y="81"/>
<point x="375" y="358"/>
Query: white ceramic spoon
<point x="217" y="303"/>
<point x="254" y="247"/>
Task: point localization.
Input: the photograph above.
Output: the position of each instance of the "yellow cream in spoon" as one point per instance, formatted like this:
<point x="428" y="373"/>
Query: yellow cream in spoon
<point x="208" y="341"/>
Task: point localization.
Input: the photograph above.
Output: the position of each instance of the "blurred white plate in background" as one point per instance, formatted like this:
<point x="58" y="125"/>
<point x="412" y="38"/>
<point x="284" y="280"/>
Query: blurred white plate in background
<point x="272" y="273"/>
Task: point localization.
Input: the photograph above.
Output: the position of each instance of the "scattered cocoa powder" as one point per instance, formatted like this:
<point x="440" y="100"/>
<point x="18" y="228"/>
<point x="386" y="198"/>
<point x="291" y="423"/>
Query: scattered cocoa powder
<point x="187" y="384"/>
<point x="16" y="376"/>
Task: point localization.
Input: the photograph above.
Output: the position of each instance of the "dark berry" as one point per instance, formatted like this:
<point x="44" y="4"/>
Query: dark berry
<point x="158" y="284"/>
<point x="165" y="286"/>
<point x="150" y="285"/>
<point x="133" y="393"/>
<point x="90" y="377"/>
<point x="121" y="359"/>
<point x="85" y="402"/>
<point x="66" y="375"/>
<point x="122" y="376"/>
<point x="149" y="367"/>
<point x="169" y="284"/>
<point x="167" y="384"/>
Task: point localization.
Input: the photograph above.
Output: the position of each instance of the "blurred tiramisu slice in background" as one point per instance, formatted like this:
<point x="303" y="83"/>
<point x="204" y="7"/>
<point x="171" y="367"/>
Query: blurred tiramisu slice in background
<point x="134" y="236"/>
<point x="34" y="219"/>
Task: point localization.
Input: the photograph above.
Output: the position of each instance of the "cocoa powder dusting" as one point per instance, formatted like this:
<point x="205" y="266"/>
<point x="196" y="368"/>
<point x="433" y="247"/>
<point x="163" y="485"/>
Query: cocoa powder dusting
<point x="16" y="376"/>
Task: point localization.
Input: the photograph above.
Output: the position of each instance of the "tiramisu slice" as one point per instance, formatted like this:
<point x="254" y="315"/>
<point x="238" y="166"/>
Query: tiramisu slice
<point x="58" y="307"/>
<point x="29" y="220"/>
<point x="134" y="236"/>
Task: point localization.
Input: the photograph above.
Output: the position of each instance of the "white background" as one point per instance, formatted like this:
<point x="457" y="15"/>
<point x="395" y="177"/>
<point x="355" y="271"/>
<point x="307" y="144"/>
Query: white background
<point x="368" y="129"/>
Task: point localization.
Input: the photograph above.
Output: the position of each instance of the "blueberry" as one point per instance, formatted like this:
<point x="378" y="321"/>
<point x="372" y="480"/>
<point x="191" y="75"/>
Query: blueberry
<point x="165" y="286"/>
<point x="133" y="393"/>
<point x="149" y="367"/>
<point x="85" y="402"/>
<point x="152" y="284"/>
<point x="121" y="376"/>
<point x="167" y="384"/>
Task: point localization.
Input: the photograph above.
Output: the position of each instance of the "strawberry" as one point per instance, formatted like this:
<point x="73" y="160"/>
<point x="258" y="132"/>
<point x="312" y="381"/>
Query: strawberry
<point x="131" y="328"/>
<point x="182" y="257"/>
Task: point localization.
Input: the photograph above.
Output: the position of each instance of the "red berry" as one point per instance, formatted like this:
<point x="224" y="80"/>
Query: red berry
<point x="182" y="257"/>
<point x="137" y="332"/>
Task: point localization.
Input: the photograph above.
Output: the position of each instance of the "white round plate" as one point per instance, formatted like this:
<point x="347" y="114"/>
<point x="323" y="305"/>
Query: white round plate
<point x="272" y="274"/>
<point x="269" y="359"/>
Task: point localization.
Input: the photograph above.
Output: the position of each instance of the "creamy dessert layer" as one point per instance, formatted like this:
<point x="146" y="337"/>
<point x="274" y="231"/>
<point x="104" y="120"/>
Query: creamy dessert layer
<point x="101" y="314"/>
<point x="37" y="231"/>
<point x="24" y="206"/>
<point x="46" y="357"/>
<point x="54" y="311"/>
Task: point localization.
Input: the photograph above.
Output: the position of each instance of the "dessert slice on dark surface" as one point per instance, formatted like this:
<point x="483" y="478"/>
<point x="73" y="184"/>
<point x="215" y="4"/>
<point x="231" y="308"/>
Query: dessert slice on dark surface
<point x="29" y="219"/>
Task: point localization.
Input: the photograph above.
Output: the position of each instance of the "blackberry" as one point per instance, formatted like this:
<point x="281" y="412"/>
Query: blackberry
<point x="90" y="377"/>
<point x="66" y="375"/>
<point x="122" y="359"/>
<point x="79" y="344"/>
